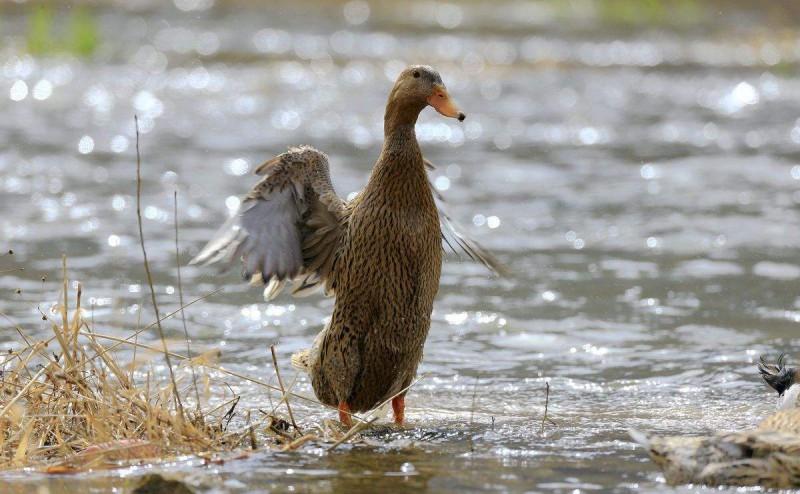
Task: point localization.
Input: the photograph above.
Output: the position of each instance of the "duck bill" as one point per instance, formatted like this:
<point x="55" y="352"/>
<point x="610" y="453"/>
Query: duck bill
<point x="442" y="103"/>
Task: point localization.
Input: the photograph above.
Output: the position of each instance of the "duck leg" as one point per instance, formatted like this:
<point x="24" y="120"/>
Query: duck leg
<point x="344" y="414"/>
<point x="399" y="407"/>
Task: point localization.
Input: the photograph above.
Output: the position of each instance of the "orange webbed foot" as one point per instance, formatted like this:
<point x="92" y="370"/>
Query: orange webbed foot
<point x="399" y="407"/>
<point x="344" y="414"/>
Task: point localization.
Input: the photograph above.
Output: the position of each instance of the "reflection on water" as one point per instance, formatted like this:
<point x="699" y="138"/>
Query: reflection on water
<point x="641" y="179"/>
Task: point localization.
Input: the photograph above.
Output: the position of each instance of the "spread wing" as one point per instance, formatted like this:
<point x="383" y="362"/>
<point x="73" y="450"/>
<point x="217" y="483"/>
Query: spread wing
<point x="459" y="243"/>
<point x="288" y="229"/>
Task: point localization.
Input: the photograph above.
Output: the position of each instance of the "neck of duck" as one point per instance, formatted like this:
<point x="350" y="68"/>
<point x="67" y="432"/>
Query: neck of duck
<point x="400" y="168"/>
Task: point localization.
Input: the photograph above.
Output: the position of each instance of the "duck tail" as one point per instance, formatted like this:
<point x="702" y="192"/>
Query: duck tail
<point x="658" y="449"/>
<point x="644" y="439"/>
<point x="300" y="360"/>
<point x="777" y="375"/>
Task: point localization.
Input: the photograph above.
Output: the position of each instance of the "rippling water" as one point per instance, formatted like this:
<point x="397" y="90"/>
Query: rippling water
<point x="642" y="182"/>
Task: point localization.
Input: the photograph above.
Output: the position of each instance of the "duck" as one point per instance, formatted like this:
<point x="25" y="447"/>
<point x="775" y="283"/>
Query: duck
<point x="785" y="380"/>
<point x="767" y="456"/>
<point x="379" y="253"/>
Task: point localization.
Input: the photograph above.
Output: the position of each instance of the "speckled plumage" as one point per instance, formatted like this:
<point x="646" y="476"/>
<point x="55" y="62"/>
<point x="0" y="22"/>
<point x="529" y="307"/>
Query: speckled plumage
<point x="380" y="253"/>
<point x="389" y="273"/>
<point x="768" y="456"/>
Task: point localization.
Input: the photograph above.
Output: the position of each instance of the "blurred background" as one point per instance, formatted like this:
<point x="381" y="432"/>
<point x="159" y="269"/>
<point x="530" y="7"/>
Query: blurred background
<point x="636" y="163"/>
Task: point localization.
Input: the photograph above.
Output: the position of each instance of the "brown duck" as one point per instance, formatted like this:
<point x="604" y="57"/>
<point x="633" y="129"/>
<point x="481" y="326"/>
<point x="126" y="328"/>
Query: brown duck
<point x="380" y="253"/>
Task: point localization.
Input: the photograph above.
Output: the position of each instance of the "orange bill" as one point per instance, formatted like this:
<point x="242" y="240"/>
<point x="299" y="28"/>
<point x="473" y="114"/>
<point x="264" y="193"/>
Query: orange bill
<point x="441" y="101"/>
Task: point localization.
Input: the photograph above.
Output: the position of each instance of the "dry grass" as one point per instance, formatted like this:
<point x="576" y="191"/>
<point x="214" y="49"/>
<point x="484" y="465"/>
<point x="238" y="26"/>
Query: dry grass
<point x="69" y="403"/>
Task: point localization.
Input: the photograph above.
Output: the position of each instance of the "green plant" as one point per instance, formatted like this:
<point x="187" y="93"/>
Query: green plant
<point x="40" y="29"/>
<point x="81" y="32"/>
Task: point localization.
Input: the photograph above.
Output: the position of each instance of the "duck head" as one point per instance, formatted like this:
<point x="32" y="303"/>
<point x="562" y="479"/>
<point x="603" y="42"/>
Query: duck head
<point x="417" y="87"/>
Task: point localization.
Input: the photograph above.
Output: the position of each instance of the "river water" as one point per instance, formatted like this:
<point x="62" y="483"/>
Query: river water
<point x="642" y="180"/>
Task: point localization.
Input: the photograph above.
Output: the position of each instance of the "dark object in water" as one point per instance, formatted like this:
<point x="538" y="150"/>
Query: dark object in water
<point x="154" y="483"/>
<point x="778" y="375"/>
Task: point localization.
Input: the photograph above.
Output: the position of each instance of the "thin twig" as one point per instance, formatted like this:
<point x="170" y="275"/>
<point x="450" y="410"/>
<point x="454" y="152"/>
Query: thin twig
<point x="387" y="400"/>
<point x="472" y="415"/>
<point x="352" y="432"/>
<point x="212" y="366"/>
<point x="299" y="442"/>
<point x="65" y="347"/>
<point x="134" y="336"/>
<point x="176" y="397"/>
<point x="253" y="443"/>
<point x="285" y="397"/>
<point x="411" y="385"/>
<point x="132" y="344"/>
<point x="22" y="392"/>
<point x="64" y="318"/>
<point x="546" y="403"/>
<point x="286" y="393"/>
<point x="183" y="315"/>
<point x="17" y="328"/>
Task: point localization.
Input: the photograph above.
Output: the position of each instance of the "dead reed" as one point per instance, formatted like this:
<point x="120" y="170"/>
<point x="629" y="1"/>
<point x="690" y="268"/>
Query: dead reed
<point x="69" y="403"/>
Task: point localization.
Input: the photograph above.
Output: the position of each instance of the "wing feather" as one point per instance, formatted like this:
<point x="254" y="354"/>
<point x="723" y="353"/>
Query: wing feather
<point x="459" y="243"/>
<point x="287" y="229"/>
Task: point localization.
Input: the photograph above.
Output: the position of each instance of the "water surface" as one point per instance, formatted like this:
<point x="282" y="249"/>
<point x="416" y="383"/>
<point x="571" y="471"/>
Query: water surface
<point x="642" y="181"/>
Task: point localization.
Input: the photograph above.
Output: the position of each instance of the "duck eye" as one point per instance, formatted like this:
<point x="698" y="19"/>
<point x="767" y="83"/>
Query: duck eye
<point x="416" y="74"/>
